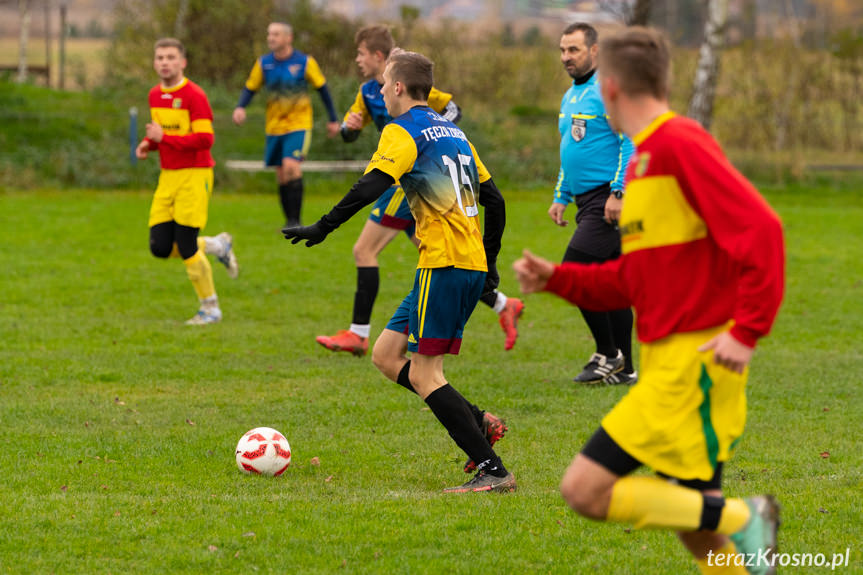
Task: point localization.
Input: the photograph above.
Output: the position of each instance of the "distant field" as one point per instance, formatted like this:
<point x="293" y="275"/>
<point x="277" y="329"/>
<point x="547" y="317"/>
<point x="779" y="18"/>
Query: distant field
<point x="85" y="66"/>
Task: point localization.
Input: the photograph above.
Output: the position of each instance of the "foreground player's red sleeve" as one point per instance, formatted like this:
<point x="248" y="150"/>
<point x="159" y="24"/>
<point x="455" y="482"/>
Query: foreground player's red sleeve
<point x="596" y="287"/>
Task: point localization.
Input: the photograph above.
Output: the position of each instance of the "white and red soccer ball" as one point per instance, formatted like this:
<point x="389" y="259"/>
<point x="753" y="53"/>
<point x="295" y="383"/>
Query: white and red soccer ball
<point x="263" y="451"/>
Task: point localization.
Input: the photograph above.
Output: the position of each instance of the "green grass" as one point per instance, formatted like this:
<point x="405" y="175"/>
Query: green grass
<point x="119" y="421"/>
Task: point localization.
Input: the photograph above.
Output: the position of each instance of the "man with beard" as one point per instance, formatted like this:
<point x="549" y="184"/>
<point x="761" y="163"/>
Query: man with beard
<point x="593" y="159"/>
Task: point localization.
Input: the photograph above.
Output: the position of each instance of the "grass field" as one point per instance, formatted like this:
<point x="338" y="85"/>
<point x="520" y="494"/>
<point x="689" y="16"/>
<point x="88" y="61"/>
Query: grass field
<point x="120" y="422"/>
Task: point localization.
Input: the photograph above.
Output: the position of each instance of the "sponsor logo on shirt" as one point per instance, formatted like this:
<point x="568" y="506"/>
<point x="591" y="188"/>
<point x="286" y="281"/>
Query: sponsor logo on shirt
<point x="382" y="158"/>
<point x="631" y="231"/>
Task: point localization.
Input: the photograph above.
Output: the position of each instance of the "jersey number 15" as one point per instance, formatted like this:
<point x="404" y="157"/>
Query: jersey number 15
<point x="468" y="203"/>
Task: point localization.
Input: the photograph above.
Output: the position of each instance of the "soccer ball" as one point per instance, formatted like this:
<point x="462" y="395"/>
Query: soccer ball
<point x="263" y="451"/>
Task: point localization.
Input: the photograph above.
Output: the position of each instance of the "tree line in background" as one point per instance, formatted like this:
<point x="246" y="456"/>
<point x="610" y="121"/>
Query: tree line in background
<point x="773" y="94"/>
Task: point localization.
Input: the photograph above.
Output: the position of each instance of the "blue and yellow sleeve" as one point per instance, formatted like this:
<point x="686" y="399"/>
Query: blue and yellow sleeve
<point x="314" y="76"/>
<point x="438" y="100"/>
<point x="256" y="77"/>
<point x="396" y="153"/>
<point x="484" y="174"/>
<point x="359" y="107"/>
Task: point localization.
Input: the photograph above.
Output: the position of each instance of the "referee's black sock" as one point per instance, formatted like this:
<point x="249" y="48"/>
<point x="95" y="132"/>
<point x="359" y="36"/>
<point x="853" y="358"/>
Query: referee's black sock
<point x="621" y="328"/>
<point x="368" y="281"/>
<point x="454" y="413"/>
<point x="599" y="324"/>
<point x="291" y="196"/>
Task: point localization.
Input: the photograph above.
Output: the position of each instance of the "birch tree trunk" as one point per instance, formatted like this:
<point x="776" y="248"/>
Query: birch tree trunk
<point x="707" y="71"/>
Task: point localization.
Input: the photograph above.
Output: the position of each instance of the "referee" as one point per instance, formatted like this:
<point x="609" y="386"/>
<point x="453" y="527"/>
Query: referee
<point x="593" y="160"/>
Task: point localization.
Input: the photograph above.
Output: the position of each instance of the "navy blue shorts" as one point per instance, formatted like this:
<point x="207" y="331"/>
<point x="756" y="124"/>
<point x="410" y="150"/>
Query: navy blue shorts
<point x="392" y="211"/>
<point x="292" y="145"/>
<point x="434" y="313"/>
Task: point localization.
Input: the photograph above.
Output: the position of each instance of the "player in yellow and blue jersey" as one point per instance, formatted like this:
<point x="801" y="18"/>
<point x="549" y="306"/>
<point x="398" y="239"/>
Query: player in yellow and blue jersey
<point x="444" y="181"/>
<point x="391" y="212"/>
<point x="287" y="74"/>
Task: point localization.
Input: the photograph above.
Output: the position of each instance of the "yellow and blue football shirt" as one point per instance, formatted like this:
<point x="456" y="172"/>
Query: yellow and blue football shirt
<point x="289" y="107"/>
<point x="440" y="173"/>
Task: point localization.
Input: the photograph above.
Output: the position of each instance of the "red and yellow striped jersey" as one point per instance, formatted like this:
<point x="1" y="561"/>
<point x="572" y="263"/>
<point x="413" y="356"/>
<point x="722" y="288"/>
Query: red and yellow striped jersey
<point x="700" y="245"/>
<point x="187" y="120"/>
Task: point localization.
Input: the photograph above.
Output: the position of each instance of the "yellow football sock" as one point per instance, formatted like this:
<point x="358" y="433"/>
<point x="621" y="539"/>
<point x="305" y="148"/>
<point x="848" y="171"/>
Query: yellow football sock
<point x="175" y="252"/>
<point x="201" y="275"/>
<point x="649" y="502"/>
<point x="721" y="562"/>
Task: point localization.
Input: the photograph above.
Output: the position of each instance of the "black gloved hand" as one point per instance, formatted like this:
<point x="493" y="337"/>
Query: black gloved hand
<point x="313" y="234"/>
<point x="492" y="278"/>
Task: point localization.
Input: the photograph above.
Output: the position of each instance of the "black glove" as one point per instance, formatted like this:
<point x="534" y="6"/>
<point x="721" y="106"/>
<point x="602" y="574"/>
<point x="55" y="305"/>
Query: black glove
<point x="313" y="234"/>
<point x="492" y="278"/>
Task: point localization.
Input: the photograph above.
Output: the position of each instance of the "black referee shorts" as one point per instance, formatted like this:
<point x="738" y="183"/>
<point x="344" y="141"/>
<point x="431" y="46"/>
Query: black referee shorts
<point x="593" y="237"/>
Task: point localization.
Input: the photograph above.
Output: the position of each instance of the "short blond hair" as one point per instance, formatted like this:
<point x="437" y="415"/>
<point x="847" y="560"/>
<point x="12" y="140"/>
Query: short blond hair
<point x="640" y="59"/>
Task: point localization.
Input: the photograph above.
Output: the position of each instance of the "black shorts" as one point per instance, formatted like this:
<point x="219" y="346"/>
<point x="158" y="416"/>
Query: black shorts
<point x="593" y="235"/>
<point x="602" y="449"/>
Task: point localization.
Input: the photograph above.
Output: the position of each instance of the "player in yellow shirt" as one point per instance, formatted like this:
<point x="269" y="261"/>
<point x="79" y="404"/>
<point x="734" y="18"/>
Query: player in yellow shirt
<point x="287" y="74"/>
<point x="444" y="182"/>
<point x="391" y="212"/>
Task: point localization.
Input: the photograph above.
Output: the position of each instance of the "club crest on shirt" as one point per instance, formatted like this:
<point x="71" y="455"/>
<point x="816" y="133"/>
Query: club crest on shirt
<point x="578" y="129"/>
<point x="641" y="164"/>
<point x="294" y="68"/>
<point x="177" y="103"/>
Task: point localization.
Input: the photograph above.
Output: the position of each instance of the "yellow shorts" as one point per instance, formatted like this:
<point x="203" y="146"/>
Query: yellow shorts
<point x="685" y="413"/>
<point x="182" y="196"/>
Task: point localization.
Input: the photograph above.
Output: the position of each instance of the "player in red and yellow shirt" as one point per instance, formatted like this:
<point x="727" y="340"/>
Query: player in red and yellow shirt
<point x="703" y="266"/>
<point x="181" y="131"/>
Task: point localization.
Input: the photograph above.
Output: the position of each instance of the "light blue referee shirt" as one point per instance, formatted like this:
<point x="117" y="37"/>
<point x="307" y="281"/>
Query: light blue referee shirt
<point x="591" y="153"/>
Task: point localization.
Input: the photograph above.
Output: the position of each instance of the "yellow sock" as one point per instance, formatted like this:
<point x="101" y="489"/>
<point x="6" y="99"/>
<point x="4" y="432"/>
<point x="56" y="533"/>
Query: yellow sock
<point x="201" y="275"/>
<point x="175" y="252"/>
<point x="735" y="516"/>
<point x="202" y="245"/>
<point x="722" y="562"/>
<point x="649" y="502"/>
